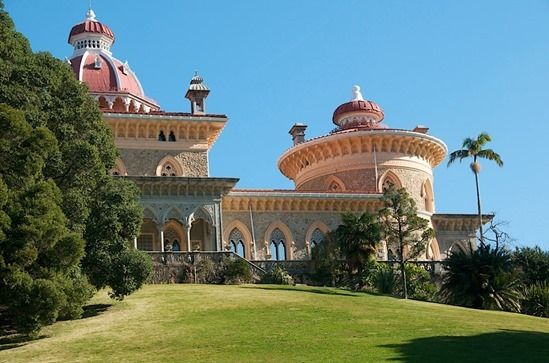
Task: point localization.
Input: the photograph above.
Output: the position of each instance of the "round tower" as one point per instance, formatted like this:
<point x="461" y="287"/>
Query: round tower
<point x="364" y="155"/>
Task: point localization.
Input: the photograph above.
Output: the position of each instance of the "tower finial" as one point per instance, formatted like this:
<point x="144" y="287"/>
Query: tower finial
<point x="90" y="14"/>
<point x="357" y="95"/>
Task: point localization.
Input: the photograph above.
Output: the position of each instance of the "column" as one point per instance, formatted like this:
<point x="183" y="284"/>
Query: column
<point x="188" y="231"/>
<point x="218" y="227"/>
<point x="162" y="239"/>
<point x="135" y="242"/>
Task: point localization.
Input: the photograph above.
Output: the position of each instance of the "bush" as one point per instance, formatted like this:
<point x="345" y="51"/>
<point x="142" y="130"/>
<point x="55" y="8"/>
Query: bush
<point x="206" y="272"/>
<point x="385" y="279"/>
<point x="236" y="271"/>
<point x="482" y="279"/>
<point x="532" y="264"/>
<point x="277" y="276"/>
<point x="536" y="300"/>
<point x="419" y="282"/>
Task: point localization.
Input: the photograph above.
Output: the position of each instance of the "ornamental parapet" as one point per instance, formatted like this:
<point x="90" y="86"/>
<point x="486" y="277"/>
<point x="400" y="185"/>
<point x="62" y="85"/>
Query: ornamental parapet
<point x="339" y="146"/>
<point x="292" y="201"/>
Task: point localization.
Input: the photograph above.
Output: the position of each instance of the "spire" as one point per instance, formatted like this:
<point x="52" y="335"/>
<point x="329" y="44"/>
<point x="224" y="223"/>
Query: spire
<point x="357" y="95"/>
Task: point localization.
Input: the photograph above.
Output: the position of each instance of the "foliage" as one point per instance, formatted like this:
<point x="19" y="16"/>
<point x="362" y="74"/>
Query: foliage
<point x="329" y="269"/>
<point x="402" y="226"/>
<point x="55" y="196"/>
<point x="277" y="276"/>
<point x="206" y="271"/>
<point x="420" y="284"/>
<point x="482" y="279"/>
<point x="379" y="277"/>
<point x="536" y="299"/>
<point x="358" y="237"/>
<point x="236" y="271"/>
<point x="39" y="255"/>
<point x="532" y="263"/>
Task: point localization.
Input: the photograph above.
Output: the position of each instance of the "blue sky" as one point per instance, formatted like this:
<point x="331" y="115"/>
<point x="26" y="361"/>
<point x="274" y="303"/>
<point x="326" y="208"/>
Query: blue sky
<point x="459" y="67"/>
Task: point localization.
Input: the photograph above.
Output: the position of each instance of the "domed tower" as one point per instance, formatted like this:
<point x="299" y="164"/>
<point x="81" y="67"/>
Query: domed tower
<point x="114" y="85"/>
<point x="363" y="155"/>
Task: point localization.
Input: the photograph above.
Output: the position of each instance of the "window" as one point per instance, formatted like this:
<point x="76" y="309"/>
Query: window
<point x="171" y="136"/>
<point x="316" y="238"/>
<point x="168" y="170"/>
<point x="161" y="136"/>
<point x="236" y="243"/>
<point x="278" y="245"/>
<point x="176" y="247"/>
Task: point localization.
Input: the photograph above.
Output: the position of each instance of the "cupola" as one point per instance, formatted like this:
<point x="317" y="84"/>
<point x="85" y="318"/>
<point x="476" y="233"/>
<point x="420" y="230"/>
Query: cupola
<point x="197" y="94"/>
<point x="358" y="113"/>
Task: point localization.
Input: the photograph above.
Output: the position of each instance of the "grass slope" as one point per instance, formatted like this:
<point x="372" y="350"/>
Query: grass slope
<point x="205" y="323"/>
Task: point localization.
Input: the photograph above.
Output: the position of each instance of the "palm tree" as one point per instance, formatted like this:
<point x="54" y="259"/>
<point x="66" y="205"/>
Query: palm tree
<point x="474" y="148"/>
<point x="358" y="237"/>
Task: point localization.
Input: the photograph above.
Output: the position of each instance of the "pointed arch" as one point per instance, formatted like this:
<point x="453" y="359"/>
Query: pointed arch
<point x="433" y="251"/>
<point x="236" y="224"/>
<point x="119" y="168"/>
<point x="288" y="237"/>
<point x="173" y="213"/>
<point x="174" y="233"/>
<point x="169" y="166"/>
<point x="334" y="184"/>
<point x="202" y="213"/>
<point x="428" y="197"/>
<point x="389" y="177"/>
<point x="309" y="236"/>
<point x="148" y="213"/>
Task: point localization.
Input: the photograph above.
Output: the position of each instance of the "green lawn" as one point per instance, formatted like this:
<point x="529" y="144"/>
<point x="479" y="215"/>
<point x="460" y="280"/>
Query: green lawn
<point x="255" y="323"/>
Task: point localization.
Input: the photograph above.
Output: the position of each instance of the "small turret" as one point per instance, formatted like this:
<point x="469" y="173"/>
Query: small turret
<point x="197" y="94"/>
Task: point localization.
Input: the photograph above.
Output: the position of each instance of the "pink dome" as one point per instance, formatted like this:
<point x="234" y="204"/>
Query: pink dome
<point x="357" y="106"/>
<point x="358" y="113"/>
<point x="102" y="73"/>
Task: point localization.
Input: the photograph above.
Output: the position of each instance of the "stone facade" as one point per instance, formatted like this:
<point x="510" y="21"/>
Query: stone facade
<point x="146" y="162"/>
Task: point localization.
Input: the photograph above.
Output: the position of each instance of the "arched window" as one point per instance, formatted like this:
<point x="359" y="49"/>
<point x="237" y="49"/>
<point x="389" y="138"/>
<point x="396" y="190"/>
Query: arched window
<point x="390" y="255"/>
<point x="171" y="136"/>
<point x="427" y="195"/>
<point x="236" y="242"/>
<point x="334" y="184"/>
<point x="316" y="238"/>
<point x="161" y="136"/>
<point x="278" y="245"/>
<point x="168" y="170"/>
<point x="390" y="179"/>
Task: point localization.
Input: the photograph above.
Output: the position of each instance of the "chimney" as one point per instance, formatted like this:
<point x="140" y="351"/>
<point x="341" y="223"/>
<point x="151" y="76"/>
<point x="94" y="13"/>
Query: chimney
<point x="421" y="129"/>
<point x="298" y="133"/>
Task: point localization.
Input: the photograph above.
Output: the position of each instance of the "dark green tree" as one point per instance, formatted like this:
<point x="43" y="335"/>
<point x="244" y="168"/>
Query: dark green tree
<point x="72" y="173"/>
<point x="532" y="264"/>
<point x="401" y="226"/>
<point x="39" y="255"/>
<point x="474" y="148"/>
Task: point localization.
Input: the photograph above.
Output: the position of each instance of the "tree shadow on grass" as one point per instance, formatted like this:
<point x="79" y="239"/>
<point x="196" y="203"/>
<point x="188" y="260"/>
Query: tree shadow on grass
<point x="501" y="346"/>
<point x="94" y="310"/>
<point x="313" y="290"/>
<point x="10" y="338"/>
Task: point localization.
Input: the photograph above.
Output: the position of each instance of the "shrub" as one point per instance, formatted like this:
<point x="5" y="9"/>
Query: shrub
<point x="206" y="272"/>
<point x="277" y="276"/>
<point x="532" y="264"/>
<point x="536" y="299"/>
<point x="420" y="284"/>
<point x="236" y="271"/>
<point x="385" y="279"/>
<point x="482" y="279"/>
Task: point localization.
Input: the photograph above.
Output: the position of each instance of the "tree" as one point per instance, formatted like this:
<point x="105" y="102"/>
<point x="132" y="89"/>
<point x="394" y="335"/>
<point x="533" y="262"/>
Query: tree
<point x="474" y="148"/>
<point x="358" y="237"/>
<point x="39" y="255"/>
<point x="70" y="171"/>
<point x="402" y="226"/>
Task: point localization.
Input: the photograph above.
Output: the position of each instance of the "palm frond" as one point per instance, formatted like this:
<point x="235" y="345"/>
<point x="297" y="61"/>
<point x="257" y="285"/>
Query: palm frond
<point x="490" y="154"/>
<point x="458" y="155"/>
<point x="483" y="138"/>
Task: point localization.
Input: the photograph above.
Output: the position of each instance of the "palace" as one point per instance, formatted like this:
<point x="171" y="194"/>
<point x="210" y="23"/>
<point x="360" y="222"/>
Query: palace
<point x="166" y="155"/>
